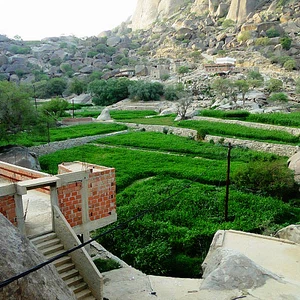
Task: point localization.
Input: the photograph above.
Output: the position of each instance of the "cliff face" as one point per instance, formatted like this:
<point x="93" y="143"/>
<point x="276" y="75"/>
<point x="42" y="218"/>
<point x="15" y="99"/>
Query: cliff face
<point x="147" y="12"/>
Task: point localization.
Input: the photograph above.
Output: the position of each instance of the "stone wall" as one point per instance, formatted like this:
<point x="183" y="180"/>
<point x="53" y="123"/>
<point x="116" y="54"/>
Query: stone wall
<point x="282" y="150"/>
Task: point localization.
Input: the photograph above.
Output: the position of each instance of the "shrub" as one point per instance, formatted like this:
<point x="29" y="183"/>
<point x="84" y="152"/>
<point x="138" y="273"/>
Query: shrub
<point x="183" y="69"/>
<point x="286" y="43"/>
<point x="244" y="36"/>
<point x="290" y="65"/>
<point x="282" y="97"/>
<point x="105" y="265"/>
<point x="228" y="23"/>
<point x="266" y="178"/>
<point x="262" y="41"/>
<point x="272" y="32"/>
<point x="274" y="85"/>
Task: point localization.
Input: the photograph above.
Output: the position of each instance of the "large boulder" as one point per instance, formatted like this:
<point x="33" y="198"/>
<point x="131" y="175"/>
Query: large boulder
<point x="294" y="164"/>
<point x="147" y="12"/>
<point x="104" y="116"/>
<point x="19" y="255"/>
<point x="20" y="156"/>
<point x="227" y="269"/>
<point x="291" y="233"/>
<point x="239" y="10"/>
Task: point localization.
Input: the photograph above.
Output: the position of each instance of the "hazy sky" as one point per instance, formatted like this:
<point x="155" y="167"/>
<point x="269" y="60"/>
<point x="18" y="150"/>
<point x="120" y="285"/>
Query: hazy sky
<point x="37" y="19"/>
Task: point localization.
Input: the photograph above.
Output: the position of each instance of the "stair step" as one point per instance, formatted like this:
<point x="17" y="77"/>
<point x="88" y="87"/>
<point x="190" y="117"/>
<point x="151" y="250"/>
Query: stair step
<point x="74" y="280"/>
<point x="48" y="243"/>
<point x="65" y="267"/>
<point x="83" y="294"/>
<point x="69" y="274"/>
<point x="62" y="260"/>
<point x="50" y="255"/>
<point x="42" y="238"/>
<point x="89" y="298"/>
<point x="79" y="287"/>
<point x="52" y="249"/>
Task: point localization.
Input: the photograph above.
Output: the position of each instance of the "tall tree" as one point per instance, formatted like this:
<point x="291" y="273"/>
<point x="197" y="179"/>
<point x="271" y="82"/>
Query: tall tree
<point x="16" y="110"/>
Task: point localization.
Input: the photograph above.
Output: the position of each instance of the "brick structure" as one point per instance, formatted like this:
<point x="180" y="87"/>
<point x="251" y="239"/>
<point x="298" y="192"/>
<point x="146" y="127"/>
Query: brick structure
<point x="101" y="198"/>
<point x="8" y="208"/>
<point x="85" y="194"/>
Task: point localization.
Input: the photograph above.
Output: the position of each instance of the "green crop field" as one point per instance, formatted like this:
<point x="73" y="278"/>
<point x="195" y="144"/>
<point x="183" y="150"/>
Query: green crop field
<point x="177" y="187"/>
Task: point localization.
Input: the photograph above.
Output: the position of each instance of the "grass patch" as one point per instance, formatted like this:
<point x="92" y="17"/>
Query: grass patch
<point x="281" y="119"/>
<point x="183" y="145"/>
<point x="173" y="238"/>
<point x="240" y="131"/>
<point x="131" y="114"/>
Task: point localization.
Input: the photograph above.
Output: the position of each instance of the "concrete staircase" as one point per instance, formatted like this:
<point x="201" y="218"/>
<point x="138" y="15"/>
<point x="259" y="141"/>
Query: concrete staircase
<point x="49" y="245"/>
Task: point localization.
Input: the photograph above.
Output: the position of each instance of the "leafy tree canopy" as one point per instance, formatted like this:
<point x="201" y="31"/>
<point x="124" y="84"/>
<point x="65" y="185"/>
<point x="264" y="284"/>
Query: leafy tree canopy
<point x="146" y="91"/>
<point x="16" y="111"/>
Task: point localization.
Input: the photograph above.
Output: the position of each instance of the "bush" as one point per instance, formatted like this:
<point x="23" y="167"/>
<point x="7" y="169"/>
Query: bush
<point x="105" y="265"/>
<point x="228" y="23"/>
<point x="272" y="32"/>
<point x="244" y="36"/>
<point x="278" y="97"/>
<point x="262" y="41"/>
<point x="286" y="43"/>
<point x="266" y="178"/>
<point x="274" y="85"/>
<point x="290" y="65"/>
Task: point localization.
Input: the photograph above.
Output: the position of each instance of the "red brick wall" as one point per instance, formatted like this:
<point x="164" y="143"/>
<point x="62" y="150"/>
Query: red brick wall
<point x="8" y="208"/>
<point x="101" y="197"/>
<point x="102" y="194"/>
<point x="70" y="204"/>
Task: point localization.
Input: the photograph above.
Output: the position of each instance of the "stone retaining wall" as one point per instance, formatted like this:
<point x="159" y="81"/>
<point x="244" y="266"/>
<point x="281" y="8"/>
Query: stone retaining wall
<point x="279" y="149"/>
<point x="282" y="150"/>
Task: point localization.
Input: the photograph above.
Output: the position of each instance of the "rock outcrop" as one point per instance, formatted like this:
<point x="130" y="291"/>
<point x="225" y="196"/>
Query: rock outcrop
<point x="227" y="269"/>
<point x="291" y="233"/>
<point x="19" y="255"/>
<point x="240" y="9"/>
<point x="147" y="12"/>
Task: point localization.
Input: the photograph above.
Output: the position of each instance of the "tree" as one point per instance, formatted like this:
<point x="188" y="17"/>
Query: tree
<point x="222" y="86"/>
<point x="107" y="92"/>
<point x="56" y="86"/>
<point x="243" y="87"/>
<point x="184" y="104"/>
<point x="274" y="85"/>
<point x="54" y="108"/>
<point x="16" y="111"/>
<point x="172" y="92"/>
<point x="146" y="91"/>
<point x="78" y="86"/>
<point x="298" y="86"/>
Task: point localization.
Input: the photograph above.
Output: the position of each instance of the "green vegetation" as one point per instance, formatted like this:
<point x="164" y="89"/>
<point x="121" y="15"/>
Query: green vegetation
<point x="146" y="91"/>
<point x="240" y="131"/>
<point x="272" y="32"/>
<point x="107" y="92"/>
<point x="16" y="111"/>
<point x="284" y="119"/>
<point x="105" y="265"/>
<point x="182" y="197"/>
<point x="227" y="23"/>
<point x="274" y="85"/>
<point x="39" y="136"/>
<point x="120" y="115"/>
<point x="286" y="43"/>
<point x="279" y="97"/>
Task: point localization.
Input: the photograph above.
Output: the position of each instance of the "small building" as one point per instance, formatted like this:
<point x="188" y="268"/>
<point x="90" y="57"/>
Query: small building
<point x="221" y="65"/>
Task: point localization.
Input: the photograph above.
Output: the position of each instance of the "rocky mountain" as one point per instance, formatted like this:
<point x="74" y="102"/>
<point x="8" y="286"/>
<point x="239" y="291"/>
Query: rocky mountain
<point x="164" y="35"/>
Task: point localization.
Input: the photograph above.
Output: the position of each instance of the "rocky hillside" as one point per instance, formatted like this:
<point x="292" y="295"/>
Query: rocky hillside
<point x="163" y="35"/>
